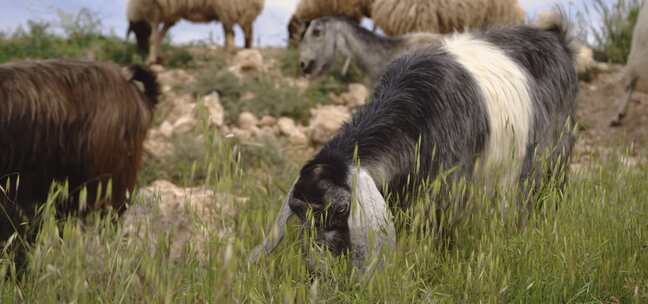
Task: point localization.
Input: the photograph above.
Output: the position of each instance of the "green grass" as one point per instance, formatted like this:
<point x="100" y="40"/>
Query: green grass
<point x="80" y="37"/>
<point x="592" y="249"/>
<point x="265" y="95"/>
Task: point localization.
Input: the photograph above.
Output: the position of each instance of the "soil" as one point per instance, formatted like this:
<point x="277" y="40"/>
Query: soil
<point x="597" y="105"/>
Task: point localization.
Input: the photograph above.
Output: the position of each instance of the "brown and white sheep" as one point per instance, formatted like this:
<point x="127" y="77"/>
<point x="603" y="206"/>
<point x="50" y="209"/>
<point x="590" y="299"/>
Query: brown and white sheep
<point x="308" y="10"/>
<point x="398" y="17"/>
<point x="76" y="122"/>
<point x="151" y="19"/>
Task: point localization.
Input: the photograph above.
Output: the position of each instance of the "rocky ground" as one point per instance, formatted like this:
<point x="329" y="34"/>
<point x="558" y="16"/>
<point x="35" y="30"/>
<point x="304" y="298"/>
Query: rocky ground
<point x="187" y="213"/>
<point x="596" y="107"/>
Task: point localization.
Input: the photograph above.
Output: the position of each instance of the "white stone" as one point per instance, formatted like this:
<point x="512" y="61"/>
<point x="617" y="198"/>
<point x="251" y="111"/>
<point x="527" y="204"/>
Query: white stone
<point x="188" y="216"/>
<point x="215" y="110"/>
<point x="247" y="121"/>
<point x="326" y="121"/>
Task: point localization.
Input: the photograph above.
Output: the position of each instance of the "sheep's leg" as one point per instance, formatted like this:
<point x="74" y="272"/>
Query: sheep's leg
<point x="623" y="105"/>
<point x="154" y="46"/>
<point x="249" y="35"/>
<point x="345" y="68"/>
<point x="229" y="36"/>
<point x="156" y="42"/>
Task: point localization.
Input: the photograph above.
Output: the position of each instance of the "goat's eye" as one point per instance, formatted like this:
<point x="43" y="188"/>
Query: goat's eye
<point x="316" y="32"/>
<point x="342" y="209"/>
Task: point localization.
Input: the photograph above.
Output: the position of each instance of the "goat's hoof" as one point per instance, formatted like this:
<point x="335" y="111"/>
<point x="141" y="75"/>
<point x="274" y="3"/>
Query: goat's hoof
<point x="617" y="122"/>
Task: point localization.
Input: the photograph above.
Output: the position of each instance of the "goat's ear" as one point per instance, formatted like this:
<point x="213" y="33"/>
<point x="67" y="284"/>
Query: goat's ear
<point x="129" y="74"/>
<point x="303" y="27"/>
<point x="277" y="231"/>
<point x="370" y="223"/>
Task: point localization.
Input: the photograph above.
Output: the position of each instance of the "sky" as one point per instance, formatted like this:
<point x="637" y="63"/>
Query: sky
<point x="270" y="27"/>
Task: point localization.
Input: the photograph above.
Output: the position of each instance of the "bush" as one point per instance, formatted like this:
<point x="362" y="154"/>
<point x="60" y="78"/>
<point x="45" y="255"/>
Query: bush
<point x="263" y="95"/>
<point x="613" y="37"/>
<point x="81" y="38"/>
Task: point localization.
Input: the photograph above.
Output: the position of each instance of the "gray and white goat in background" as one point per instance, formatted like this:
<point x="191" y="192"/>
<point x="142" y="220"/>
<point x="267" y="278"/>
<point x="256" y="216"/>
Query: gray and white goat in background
<point x="496" y="101"/>
<point x="327" y="36"/>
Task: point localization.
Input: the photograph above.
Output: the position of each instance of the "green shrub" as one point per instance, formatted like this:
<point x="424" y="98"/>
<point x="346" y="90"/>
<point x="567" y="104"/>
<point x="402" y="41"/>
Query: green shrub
<point x="289" y="62"/>
<point x="262" y="95"/>
<point x="613" y="36"/>
<point x="81" y="38"/>
<point x="179" y="58"/>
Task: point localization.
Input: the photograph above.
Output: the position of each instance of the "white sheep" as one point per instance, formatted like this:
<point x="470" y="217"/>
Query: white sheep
<point x="146" y="16"/>
<point x="635" y="75"/>
<point x="308" y="10"/>
<point x="397" y="17"/>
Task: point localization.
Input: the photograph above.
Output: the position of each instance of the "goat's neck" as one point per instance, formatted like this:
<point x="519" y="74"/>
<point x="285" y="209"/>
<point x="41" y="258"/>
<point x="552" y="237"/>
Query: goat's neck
<point x="370" y="52"/>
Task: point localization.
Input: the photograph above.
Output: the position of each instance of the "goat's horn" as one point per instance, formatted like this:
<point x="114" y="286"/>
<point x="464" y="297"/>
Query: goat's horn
<point x="370" y="222"/>
<point x="277" y="231"/>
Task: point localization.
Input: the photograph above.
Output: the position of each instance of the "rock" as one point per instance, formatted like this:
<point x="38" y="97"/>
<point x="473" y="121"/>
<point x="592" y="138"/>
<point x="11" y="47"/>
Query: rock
<point x="166" y="129"/>
<point x="356" y="96"/>
<point x="184" y="124"/>
<point x="248" y="96"/>
<point x="326" y="121"/>
<point x="187" y="216"/>
<point x="265" y="132"/>
<point x="183" y="105"/>
<point x="249" y="60"/>
<point x="584" y="60"/>
<point x="241" y="133"/>
<point x="247" y="121"/>
<point x="302" y="84"/>
<point x="175" y="76"/>
<point x="215" y="110"/>
<point x="158" y="148"/>
<point x="298" y="138"/>
<point x="287" y="126"/>
<point x="268" y="121"/>
<point x="295" y="135"/>
<point x="157" y="68"/>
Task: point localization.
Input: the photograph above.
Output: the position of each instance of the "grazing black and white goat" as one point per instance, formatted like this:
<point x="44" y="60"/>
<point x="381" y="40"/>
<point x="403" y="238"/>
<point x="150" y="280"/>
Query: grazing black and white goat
<point x="496" y="101"/>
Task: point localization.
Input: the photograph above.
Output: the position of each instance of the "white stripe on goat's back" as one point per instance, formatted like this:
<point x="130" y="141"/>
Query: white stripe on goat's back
<point x="505" y="89"/>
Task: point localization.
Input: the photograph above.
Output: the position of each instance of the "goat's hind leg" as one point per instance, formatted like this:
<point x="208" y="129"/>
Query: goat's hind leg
<point x="623" y="104"/>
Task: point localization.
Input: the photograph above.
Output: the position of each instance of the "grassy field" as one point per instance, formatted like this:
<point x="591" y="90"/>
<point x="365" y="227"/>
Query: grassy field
<point x="588" y="244"/>
<point x="592" y="249"/>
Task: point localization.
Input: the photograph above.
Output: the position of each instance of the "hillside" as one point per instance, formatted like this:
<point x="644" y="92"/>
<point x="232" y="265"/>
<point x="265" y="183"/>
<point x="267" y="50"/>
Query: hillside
<point x="230" y="134"/>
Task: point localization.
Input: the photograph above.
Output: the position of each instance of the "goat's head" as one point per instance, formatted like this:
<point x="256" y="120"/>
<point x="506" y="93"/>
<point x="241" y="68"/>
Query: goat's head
<point x="318" y="47"/>
<point x="344" y="210"/>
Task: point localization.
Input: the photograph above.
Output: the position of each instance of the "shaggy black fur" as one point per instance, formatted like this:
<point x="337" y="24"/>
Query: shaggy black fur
<point x="425" y="97"/>
<point x="142" y="30"/>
